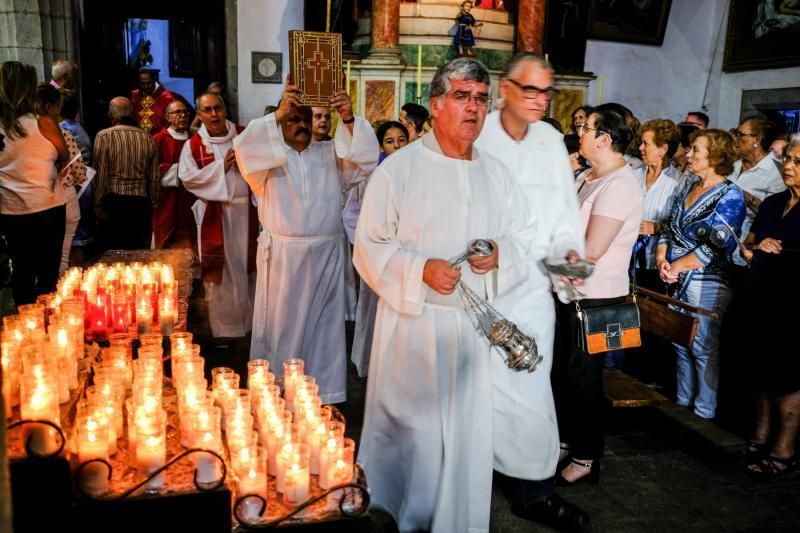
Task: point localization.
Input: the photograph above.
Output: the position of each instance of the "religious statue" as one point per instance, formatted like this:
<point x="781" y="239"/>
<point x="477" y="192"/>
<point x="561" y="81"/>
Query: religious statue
<point x="464" y="37"/>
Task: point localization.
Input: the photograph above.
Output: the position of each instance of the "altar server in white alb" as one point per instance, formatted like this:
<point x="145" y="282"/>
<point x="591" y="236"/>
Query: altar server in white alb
<point x="207" y="168"/>
<point x="428" y="441"/>
<point x="526" y="437"/>
<point x="299" y="183"/>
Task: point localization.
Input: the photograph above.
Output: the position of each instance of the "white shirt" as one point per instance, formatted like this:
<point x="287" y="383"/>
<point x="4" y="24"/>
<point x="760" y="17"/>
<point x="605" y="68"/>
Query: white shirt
<point x="762" y="180"/>
<point x="28" y="176"/>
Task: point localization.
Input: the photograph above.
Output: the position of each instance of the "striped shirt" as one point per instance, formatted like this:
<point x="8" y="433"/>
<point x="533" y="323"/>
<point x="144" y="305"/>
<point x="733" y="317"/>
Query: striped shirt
<point x="126" y="160"/>
<point x="657" y="202"/>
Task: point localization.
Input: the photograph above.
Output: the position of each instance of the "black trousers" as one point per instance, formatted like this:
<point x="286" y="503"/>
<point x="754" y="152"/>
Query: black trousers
<point x="128" y="223"/>
<point x="577" y="379"/>
<point x="34" y="245"/>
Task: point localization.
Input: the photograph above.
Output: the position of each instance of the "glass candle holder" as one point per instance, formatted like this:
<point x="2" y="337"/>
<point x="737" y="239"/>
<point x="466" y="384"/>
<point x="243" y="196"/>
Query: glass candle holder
<point x="39" y="401"/>
<point x="91" y="441"/>
<point x="180" y="340"/>
<point x="208" y="467"/>
<point x="151" y="452"/>
<point x="297" y="479"/>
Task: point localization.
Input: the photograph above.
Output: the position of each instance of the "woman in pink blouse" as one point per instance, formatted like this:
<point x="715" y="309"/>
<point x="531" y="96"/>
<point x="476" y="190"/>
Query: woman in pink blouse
<point x="610" y="202"/>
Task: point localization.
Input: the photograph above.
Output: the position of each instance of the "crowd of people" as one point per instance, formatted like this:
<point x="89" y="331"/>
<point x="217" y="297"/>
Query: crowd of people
<point x="280" y="213"/>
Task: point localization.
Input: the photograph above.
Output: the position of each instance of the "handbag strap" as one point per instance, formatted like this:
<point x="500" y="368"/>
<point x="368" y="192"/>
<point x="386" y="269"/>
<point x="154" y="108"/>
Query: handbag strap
<point x="633" y="277"/>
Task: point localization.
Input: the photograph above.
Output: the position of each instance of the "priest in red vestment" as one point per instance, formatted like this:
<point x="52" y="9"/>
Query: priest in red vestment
<point x="173" y="221"/>
<point x="150" y="103"/>
<point x="229" y="229"/>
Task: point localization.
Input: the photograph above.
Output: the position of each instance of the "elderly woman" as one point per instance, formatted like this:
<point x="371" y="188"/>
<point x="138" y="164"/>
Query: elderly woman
<point x="610" y="202"/>
<point x="694" y="258"/>
<point x="756" y="172"/>
<point x="659" y="182"/>
<point x="774" y="262"/>
<point x="32" y="204"/>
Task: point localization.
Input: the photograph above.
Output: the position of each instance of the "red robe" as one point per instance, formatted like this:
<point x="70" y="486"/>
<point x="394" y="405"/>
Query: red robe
<point x="173" y="221"/>
<point x="150" y="110"/>
<point x="212" y="241"/>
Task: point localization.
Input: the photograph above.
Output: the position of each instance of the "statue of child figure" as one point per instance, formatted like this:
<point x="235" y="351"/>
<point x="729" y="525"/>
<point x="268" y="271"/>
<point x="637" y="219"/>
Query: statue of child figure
<point x="464" y="37"/>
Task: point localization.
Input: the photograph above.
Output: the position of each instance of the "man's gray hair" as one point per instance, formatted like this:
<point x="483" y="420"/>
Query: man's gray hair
<point x="460" y="69"/>
<point x="794" y="142"/>
<point x="62" y="68"/>
<point x="526" y="57"/>
<point x="120" y="108"/>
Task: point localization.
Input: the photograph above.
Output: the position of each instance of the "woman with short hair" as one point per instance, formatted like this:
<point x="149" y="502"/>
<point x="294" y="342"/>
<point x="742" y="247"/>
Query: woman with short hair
<point x="610" y="203"/>
<point x="32" y="204"/>
<point x="694" y="258"/>
<point x="756" y="172"/>
<point x="658" y="179"/>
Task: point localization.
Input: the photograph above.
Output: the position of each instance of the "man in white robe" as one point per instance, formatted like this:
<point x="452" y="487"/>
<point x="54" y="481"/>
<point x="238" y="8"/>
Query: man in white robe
<point x="526" y="437"/>
<point x="207" y="168"/>
<point x="428" y="438"/>
<point x="300" y="295"/>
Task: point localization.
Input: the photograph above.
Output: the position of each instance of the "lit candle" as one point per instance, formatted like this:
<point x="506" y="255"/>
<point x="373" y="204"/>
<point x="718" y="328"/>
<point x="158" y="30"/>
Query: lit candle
<point x="419" y="72"/>
<point x="151" y="454"/>
<point x="328" y="455"/>
<point x="296" y="484"/>
<point x="206" y="464"/>
<point x="93" y="444"/>
<point x="98" y="318"/>
<point x="39" y="401"/>
<point x="144" y="314"/>
<point x="166" y="314"/>
<point x="254" y="481"/>
<point x="339" y="472"/>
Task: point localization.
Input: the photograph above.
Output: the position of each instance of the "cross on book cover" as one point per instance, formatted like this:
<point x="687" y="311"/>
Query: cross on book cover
<point x="316" y="65"/>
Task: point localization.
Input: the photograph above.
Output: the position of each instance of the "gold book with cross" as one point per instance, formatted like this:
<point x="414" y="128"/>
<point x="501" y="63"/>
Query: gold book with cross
<point x="316" y="65"/>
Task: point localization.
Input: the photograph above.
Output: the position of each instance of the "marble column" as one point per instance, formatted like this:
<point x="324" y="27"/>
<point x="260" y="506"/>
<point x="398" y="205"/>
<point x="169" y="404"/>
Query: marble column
<point x="530" y="26"/>
<point x="385" y="32"/>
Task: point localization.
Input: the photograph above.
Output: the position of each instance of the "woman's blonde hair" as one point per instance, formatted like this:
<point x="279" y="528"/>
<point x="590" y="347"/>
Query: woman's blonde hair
<point x="17" y="96"/>
<point x="721" y="149"/>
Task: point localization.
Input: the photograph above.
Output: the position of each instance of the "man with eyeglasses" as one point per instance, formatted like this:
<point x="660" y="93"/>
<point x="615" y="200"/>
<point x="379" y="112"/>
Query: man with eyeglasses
<point x="435" y="412"/>
<point x="229" y="223"/>
<point x="537" y="157"/>
<point x="173" y="222"/>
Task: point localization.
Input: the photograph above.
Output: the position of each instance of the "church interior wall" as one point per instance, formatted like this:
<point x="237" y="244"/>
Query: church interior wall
<point x="685" y="73"/>
<point x="263" y="26"/>
<point x="665" y="81"/>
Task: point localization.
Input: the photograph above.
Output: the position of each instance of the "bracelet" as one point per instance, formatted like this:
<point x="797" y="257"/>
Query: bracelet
<point x="352" y="119"/>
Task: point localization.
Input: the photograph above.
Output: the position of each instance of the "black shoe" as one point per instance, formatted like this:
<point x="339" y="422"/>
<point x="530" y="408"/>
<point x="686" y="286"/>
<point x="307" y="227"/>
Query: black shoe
<point x="556" y="512"/>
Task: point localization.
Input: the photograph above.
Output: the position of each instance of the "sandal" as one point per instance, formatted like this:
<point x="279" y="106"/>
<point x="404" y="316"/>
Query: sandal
<point x="771" y="466"/>
<point x="755" y="451"/>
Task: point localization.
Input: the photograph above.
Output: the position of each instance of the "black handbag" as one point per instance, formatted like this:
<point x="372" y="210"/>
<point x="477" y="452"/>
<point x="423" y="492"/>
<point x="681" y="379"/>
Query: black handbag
<point x="610" y="327"/>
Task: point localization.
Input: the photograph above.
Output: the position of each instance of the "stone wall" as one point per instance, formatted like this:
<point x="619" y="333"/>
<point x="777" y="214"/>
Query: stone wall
<point x="37" y="32"/>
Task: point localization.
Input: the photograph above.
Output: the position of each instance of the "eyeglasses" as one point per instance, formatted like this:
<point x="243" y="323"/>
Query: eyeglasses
<point x="736" y="133"/>
<point x="182" y="112"/>
<point x="789" y="159"/>
<point x="582" y="128"/>
<point x="463" y="98"/>
<point x="531" y="92"/>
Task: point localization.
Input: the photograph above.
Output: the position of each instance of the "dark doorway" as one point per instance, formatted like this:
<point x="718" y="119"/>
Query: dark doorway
<point x="194" y="32"/>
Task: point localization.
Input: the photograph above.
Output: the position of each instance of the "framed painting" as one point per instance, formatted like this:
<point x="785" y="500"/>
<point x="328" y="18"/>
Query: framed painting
<point x="629" y="21"/>
<point x="266" y="67"/>
<point x="762" y="34"/>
